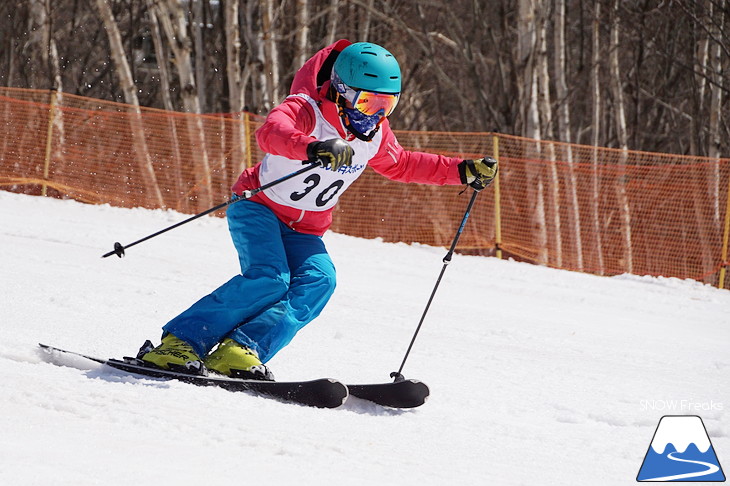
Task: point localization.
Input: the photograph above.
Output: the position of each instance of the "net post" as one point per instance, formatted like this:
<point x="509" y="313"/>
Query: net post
<point x="497" y="201"/>
<point x="49" y="141"/>
<point x="725" y="238"/>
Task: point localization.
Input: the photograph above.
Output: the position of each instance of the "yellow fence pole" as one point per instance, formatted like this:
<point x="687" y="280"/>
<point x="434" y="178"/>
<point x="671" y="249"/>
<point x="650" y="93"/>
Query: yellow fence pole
<point x="725" y="238"/>
<point x="49" y="141"/>
<point x="497" y="206"/>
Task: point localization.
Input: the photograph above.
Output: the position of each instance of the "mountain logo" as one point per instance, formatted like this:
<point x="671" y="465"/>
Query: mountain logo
<point x="681" y="451"/>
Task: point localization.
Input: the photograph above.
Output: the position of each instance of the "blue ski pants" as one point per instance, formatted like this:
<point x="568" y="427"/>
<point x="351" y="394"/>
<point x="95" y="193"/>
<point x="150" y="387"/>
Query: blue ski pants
<point x="286" y="279"/>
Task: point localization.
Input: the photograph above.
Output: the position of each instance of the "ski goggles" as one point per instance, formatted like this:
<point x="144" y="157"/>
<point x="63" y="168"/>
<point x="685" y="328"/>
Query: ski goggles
<point x="366" y="102"/>
<point x="370" y="103"/>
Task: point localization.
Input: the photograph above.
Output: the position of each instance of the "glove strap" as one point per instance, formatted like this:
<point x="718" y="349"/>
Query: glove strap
<point x="467" y="169"/>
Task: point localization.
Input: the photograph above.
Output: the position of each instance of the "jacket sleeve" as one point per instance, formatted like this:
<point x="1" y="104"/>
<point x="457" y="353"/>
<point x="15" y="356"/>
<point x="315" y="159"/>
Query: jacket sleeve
<point x="398" y="164"/>
<point x="286" y="129"/>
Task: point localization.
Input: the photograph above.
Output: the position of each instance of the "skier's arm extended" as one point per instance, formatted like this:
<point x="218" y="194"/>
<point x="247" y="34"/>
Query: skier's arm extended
<point x="398" y="164"/>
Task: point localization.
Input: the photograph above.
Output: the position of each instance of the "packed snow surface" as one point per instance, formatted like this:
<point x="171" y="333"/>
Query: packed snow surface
<point x="537" y="376"/>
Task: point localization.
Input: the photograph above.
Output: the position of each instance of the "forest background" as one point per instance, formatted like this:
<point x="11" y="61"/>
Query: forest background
<point x="636" y="88"/>
<point x="643" y="75"/>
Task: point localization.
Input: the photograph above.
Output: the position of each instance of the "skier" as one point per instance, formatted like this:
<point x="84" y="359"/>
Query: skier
<point x="337" y="113"/>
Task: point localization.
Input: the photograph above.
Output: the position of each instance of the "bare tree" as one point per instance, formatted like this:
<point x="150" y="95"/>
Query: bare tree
<point x="271" y="53"/>
<point x="714" y="149"/>
<point x="528" y="82"/>
<point x="596" y="103"/>
<point x="171" y="17"/>
<point x="235" y="79"/>
<point x="161" y="58"/>
<point x="130" y="93"/>
<point x="442" y="45"/>
<point x="165" y="91"/>
<point x="564" y="132"/>
<point x="333" y="14"/>
<point x="252" y="29"/>
<point x="701" y="62"/>
<point x="542" y="16"/>
<point x="233" y="56"/>
<point x="623" y="138"/>
<point x="302" y="32"/>
<point x="367" y="22"/>
<point x="640" y="75"/>
<point x="44" y="42"/>
<point x="197" y="21"/>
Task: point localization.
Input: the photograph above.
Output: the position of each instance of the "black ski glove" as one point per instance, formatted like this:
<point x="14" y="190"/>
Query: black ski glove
<point x="478" y="173"/>
<point x="333" y="153"/>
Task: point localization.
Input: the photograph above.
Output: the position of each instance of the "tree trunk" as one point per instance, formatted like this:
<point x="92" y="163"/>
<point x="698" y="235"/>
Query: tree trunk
<point x="43" y="39"/>
<point x="367" y="22"/>
<point x="171" y="16"/>
<point x="130" y="97"/>
<point x="197" y="21"/>
<point x="596" y="140"/>
<point x="257" y="64"/>
<point x="528" y="84"/>
<point x="546" y="123"/>
<point x="333" y="15"/>
<point x="162" y="66"/>
<point x="701" y="25"/>
<point x="715" y="141"/>
<point x="10" y="49"/>
<point x="271" y="54"/>
<point x="526" y="42"/>
<point x="623" y="139"/>
<point x="235" y="86"/>
<point x="702" y="52"/>
<point x="161" y="58"/>
<point x="302" y="38"/>
<point x="52" y="57"/>
<point x="561" y="89"/>
<point x="233" y="56"/>
<point x="54" y="61"/>
<point x="39" y="37"/>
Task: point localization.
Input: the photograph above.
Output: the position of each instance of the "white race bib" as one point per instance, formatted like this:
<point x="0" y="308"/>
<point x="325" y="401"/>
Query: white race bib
<point x="318" y="189"/>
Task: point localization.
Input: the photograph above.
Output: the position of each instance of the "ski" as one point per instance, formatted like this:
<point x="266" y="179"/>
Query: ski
<point x="400" y="394"/>
<point x="322" y="393"/>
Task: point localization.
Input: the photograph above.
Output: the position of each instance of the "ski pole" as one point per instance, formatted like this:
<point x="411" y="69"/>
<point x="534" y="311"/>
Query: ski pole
<point x="247" y="194"/>
<point x="397" y="375"/>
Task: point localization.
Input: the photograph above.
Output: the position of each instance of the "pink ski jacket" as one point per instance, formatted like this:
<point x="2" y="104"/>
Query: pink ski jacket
<point x="288" y="131"/>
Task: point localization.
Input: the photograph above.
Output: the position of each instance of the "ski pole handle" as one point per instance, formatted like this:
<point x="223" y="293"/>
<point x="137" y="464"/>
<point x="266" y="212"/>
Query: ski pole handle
<point x="247" y="194"/>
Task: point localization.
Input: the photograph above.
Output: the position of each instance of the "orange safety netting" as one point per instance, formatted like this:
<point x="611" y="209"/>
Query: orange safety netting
<point x="596" y="210"/>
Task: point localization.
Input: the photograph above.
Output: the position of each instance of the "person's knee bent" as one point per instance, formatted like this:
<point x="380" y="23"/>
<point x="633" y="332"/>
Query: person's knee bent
<point x="326" y="281"/>
<point x="269" y="276"/>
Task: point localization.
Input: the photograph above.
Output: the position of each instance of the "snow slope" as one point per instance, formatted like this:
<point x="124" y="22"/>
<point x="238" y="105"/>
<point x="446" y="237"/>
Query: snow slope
<point x="538" y="376"/>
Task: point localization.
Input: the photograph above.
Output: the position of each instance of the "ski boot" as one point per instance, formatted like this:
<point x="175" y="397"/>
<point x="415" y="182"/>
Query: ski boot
<point x="237" y="361"/>
<point x="176" y="355"/>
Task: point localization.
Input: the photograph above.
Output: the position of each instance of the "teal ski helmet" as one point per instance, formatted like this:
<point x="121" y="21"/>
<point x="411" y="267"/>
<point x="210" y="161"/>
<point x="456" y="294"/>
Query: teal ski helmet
<point x="369" y="67"/>
<point x="366" y="84"/>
